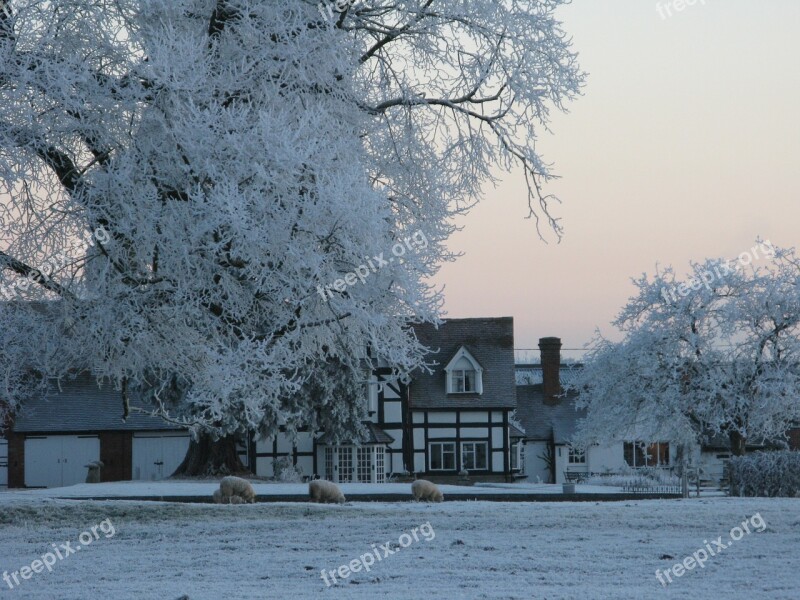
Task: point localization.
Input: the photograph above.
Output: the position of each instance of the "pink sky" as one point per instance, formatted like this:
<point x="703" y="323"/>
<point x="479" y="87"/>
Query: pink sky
<point x="685" y="146"/>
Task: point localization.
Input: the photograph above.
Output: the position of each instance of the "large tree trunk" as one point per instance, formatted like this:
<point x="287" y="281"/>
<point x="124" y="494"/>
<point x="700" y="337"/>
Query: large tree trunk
<point x="209" y="457"/>
<point x="738" y="443"/>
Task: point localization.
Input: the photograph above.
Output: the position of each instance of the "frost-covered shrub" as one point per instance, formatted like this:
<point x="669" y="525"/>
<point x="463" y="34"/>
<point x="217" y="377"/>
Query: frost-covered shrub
<point x="771" y="474"/>
<point x="286" y="471"/>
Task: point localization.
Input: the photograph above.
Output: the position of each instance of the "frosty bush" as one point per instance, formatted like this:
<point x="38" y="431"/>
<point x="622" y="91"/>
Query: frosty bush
<point x="286" y="471"/>
<point x="770" y="474"/>
<point x="635" y="477"/>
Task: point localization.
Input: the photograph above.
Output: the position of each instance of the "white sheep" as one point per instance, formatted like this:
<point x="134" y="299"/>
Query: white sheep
<point x="324" y="491"/>
<point x="236" y="486"/>
<point x="422" y="489"/>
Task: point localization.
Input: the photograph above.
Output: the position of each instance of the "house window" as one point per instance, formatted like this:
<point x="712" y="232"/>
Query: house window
<point x="329" y="463"/>
<point x="474" y="456"/>
<point x="464" y="374"/>
<point x="576" y="457"/>
<point x="339" y="463"/>
<point x="463" y="381"/>
<point x="345" y="463"/>
<point x="364" y="454"/>
<point x="380" y="462"/>
<point x="442" y="456"/>
<point x="640" y="454"/>
<point x="516" y="456"/>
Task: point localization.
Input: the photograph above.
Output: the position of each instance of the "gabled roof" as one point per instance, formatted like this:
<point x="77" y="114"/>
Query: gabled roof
<point x="544" y="422"/>
<point x="374" y="435"/>
<point x="82" y="406"/>
<point x="463" y="352"/>
<point x="491" y="343"/>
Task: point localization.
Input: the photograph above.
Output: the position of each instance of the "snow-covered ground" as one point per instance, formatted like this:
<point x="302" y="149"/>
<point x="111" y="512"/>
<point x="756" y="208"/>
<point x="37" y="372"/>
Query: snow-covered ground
<point x="470" y="549"/>
<point x="127" y="489"/>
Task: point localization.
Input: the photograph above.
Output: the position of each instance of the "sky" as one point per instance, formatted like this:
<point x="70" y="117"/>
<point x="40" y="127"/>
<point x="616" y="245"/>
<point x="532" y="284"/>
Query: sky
<point x="685" y="145"/>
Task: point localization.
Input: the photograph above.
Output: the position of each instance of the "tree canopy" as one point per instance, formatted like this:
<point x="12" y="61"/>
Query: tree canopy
<point x="180" y="179"/>
<point x="715" y="353"/>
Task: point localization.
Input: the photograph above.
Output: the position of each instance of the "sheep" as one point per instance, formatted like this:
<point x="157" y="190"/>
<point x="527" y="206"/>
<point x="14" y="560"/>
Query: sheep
<point x="217" y="496"/>
<point x="236" y="486"/>
<point x="422" y="489"/>
<point x="325" y="491"/>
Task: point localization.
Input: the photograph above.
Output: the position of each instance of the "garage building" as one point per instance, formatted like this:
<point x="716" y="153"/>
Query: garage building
<point x="53" y="437"/>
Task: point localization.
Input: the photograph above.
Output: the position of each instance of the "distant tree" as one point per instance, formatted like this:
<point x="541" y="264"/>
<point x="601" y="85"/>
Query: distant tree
<point x="254" y="186"/>
<point x="718" y="353"/>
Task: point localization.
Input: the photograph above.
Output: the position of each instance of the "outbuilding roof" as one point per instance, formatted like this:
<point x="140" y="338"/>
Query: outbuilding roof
<point x="80" y="405"/>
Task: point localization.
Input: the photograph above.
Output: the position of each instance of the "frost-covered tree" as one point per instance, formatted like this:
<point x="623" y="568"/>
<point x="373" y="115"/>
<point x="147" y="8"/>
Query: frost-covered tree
<point x="718" y="353"/>
<point x="213" y="196"/>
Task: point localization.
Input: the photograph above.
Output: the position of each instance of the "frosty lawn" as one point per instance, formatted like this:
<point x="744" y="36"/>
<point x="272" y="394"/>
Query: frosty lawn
<point x="193" y="489"/>
<point x="480" y="549"/>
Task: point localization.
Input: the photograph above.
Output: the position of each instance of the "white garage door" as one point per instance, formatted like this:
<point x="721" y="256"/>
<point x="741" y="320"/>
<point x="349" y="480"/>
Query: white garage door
<point x="3" y="463"/>
<point x="156" y="456"/>
<point x="59" y="460"/>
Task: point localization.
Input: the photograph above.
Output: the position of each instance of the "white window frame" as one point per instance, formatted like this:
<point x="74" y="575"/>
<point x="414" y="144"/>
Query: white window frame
<point x="442" y="454"/>
<point x="576" y="457"/>
<point x="517" y="458"/>
<point x="380" y="464"/>
<point x="451" y="371"/>
<point x="474" y="453"/>
<point x="644" y="448"/>
<point x="364" y="464"/>
<point x="459" y="379"/>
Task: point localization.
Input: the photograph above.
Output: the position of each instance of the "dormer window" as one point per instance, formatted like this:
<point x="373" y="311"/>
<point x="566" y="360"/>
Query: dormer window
<point x="462" y="378"/>
<point x="464" y="374"/>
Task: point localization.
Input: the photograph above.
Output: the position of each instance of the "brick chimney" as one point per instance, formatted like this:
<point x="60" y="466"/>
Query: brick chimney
<point x="550" y="348"/>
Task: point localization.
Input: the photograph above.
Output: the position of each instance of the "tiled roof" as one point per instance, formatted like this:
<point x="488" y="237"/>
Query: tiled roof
<point x="490" y="341"/>
<point x="545" y="422"/>
<point x="531" y="374"/>
<point x="374" y="435"/>
<point x="82" y="406"/>
<point x="515" y="432"/>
